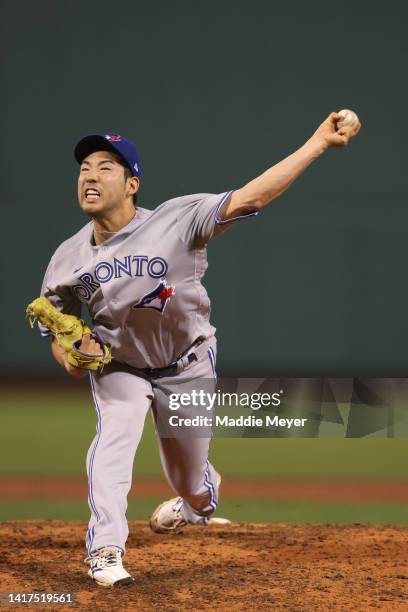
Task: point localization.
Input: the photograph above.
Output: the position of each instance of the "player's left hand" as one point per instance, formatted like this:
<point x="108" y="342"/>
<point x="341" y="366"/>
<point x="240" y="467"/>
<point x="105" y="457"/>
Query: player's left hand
<point x="329" y="135"/>
<point x="88" y="346"/>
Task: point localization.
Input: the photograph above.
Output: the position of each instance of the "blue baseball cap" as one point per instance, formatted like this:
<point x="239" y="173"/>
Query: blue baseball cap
<point x="110" y="142"/>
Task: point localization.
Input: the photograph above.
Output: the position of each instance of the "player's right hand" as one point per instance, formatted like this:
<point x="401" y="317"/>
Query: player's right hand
<point x="329" y="135"/>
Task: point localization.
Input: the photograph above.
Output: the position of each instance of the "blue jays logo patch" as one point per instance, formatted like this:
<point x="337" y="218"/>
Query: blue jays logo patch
<point x="158" y="298"/>
<point x="113" y="137"/>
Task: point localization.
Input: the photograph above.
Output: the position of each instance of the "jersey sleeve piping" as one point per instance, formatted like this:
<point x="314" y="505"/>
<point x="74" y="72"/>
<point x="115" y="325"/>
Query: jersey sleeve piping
<point x="220" y="221"/>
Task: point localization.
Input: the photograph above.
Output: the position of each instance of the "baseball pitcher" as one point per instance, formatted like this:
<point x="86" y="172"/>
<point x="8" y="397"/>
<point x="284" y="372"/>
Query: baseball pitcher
<point x="138" y="272"/>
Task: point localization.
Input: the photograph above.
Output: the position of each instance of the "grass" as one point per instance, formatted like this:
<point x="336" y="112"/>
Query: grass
<point x="50" y="434"/>
<point x="245" y="510"/>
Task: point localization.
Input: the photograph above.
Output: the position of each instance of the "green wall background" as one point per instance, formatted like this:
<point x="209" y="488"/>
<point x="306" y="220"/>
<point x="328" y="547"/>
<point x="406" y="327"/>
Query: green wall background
<point x="214" y="93"/>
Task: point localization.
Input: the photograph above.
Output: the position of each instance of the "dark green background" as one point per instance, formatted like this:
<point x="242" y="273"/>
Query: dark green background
<point x="213" y="93"/>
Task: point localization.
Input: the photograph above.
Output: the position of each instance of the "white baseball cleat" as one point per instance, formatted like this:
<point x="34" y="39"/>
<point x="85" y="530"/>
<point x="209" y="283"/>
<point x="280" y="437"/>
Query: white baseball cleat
<point x="168" y="517"/>
<point x="106" y="567"/>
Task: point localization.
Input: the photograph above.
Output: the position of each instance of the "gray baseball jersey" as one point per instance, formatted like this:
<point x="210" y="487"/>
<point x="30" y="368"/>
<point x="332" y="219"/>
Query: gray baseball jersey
<point x="142" y="286"/>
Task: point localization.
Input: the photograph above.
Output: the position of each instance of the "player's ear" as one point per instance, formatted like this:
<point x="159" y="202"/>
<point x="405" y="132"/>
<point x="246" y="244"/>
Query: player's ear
<point x="133" y="185"/>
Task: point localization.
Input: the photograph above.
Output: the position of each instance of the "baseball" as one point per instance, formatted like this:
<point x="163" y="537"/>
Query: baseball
<point x="350" y="118"/>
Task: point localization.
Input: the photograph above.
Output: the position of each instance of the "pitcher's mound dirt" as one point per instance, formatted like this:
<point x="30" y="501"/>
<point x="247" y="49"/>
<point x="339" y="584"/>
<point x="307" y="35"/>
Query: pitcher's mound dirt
<point x="239" y="567"/>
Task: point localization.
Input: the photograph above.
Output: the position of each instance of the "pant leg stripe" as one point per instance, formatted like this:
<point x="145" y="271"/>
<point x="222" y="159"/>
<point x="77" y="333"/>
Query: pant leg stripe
<point x="210" y="487"/>
<point x="215" y="501"/>
<point x="212" y="359"/>
<point x="91" y="533"/>
<point x="98" y="429"/>
<point x="207" y="482"/>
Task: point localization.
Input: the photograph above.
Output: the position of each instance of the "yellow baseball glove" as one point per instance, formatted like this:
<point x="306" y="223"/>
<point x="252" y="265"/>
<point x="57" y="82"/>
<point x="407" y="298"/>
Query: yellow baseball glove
<point x="69" y="331"/>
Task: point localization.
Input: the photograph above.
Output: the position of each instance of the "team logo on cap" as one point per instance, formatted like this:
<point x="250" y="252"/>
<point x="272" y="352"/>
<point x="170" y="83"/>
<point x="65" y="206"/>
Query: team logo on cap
<point x="158" y="298"/>
<point x="113" y="137"/>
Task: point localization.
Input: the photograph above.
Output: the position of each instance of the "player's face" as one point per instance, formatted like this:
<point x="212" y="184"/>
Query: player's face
<point x="102" y="185"/>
